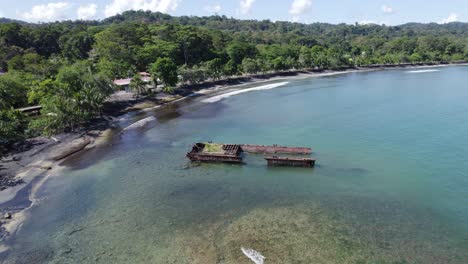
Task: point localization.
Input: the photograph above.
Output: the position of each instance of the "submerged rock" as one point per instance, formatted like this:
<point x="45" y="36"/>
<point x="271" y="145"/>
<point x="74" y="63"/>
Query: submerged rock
<point x="9" y="180"/>
<point x="75" y="146"/>
<point x="7" y="216"/>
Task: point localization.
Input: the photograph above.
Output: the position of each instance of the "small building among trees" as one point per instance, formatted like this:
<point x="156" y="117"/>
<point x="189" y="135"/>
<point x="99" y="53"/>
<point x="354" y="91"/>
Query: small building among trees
<point x="124" y="84"/>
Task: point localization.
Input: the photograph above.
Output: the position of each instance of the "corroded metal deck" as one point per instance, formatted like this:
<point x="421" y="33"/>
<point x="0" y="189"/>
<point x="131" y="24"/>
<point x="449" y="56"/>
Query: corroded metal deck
<point x="230" y="153"/>
<point x="290" y="162"/>
<point x="214" y="158"/>
<point x="275" y="149"/>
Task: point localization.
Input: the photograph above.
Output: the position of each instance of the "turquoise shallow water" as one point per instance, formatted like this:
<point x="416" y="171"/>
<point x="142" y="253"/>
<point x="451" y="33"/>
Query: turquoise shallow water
<point x="390" y="186"/>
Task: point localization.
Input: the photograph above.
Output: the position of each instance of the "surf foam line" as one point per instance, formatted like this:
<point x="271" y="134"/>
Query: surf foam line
<point x="220" y="97"/>
<point x="253" y="255"/>
<point x="422" y="71"/>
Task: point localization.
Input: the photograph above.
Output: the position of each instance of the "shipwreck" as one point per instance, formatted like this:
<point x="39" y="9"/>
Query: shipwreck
<point x="233" y="153"/>
<point x="212" y="152"/>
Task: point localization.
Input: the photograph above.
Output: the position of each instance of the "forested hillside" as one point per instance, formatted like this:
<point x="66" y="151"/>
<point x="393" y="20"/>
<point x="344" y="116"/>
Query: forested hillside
<point x="67" y="67"/>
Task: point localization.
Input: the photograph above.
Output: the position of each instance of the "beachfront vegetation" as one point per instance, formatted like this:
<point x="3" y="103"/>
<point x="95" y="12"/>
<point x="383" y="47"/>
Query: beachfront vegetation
<point x="137" y="84"/>
<point x="12" y="127"/>
<point x="67" y="67"/>
<point x="165" y="69"/>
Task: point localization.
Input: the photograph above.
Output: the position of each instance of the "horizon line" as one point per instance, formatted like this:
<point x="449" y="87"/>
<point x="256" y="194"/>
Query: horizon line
<point x="361" y="23"/>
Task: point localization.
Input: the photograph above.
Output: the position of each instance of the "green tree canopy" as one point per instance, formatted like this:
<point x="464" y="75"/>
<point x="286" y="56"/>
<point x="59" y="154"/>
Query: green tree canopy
<point x="137" y="84"/>
<point x="12" y="127"/>
<point x="166" y="70"/>
<point x="240" y="50"/>
<point x="250" y="66"/>
<point x="13" y="92"/>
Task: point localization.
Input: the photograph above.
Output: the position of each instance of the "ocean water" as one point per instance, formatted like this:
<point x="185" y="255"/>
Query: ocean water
<point x="390" y="184"/>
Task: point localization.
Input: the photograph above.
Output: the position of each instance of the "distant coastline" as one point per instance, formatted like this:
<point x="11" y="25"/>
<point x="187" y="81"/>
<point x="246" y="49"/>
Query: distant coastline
<point x="45" y="154"/>
<point x="186" y="89"/>
<point x="115" y="109"/>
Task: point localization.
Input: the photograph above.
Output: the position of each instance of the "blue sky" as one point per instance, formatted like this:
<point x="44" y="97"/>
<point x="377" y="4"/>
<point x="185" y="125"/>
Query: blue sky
<point x="390" y="12"/>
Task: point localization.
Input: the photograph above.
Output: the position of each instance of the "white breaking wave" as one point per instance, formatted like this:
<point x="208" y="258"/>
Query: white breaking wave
<point x="142" y="123"/>
<point x="226" y="95"/>
<point x="253" y="255"/>
<point x="423" y="71"/>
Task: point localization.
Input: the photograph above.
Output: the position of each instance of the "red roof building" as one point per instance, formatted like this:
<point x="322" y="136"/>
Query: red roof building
<point x="124" y="84"/>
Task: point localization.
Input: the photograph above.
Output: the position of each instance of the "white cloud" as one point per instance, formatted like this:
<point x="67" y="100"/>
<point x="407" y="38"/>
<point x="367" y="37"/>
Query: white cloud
<point x="213" y="8"/>
<point x="372" y="22"/>
<point x="47" y="12"/>
<point x="245" y="6"/>
<point x="299" y="7"/>
<point x="119" y="6"/>
<point x="387" y="9"/>
<point x="451" y="18"/>
<point x="86" y="12"/>
<point x="366" y="22"/>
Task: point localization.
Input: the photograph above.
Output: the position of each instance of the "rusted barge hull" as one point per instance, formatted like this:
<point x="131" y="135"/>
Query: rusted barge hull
<point x="275" y="149"/>
<point x="290" y="162"/>
<point x="215" y="158"/>
<point x="232" y="153"/>
<point x="211" y="152"/>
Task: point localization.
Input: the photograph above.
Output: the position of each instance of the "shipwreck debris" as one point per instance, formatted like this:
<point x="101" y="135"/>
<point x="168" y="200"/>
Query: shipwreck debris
<point x="290" y="162"/>
<point x="275" y="149"/>
<point x="232" y="153"/>
<point x="212" y="152"/>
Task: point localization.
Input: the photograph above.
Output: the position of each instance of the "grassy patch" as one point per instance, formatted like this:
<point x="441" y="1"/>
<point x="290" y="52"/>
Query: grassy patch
<point x="213" y="148"/>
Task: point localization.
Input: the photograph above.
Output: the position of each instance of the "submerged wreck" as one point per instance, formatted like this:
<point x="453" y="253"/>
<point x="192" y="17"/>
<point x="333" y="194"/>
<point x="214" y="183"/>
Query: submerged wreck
<point x="212" y="152"/>
<point x="232" y="153"/>
<point x="275" y="149"/>
<point x="290" y="162"/>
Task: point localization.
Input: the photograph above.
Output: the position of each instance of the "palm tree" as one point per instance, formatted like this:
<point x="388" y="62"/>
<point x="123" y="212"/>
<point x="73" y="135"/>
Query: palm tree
<point x="137" y="85"/>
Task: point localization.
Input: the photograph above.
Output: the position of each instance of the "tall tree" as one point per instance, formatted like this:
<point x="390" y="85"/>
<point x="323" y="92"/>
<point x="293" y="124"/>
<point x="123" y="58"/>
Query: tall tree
<point x="12" y="127"/>
<point x="13" y="92"/>
<point x="196" y="45"/>
<point x="240" y="50"/>
<point x="166" y="70"/>
<point x="250" y="66"/>
<point x="137" y="84"/>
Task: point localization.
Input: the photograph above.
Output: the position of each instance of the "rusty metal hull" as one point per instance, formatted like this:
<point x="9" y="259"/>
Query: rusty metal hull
<point x="214" y="158"/>
<point x="290" y="162"/>
<point x="275" y="149"/>
<point x="229" y="153"/>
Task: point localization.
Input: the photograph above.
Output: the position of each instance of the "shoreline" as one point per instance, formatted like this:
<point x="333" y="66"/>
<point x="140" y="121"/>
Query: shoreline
<point x="43" y="160"/>
<point x="248" y="79"/>
<point x="43" y="146"/>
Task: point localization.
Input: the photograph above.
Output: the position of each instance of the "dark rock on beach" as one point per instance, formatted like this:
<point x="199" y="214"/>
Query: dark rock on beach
<point x="8" y="180"/>
<point x="74" y="147"/>
<point x="7" y="216"/>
